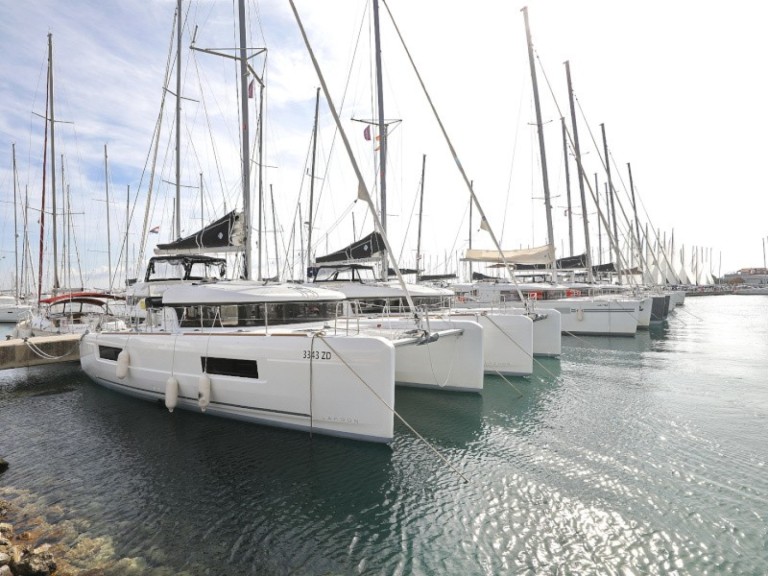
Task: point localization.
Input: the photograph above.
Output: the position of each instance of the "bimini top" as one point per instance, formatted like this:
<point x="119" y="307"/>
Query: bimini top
<point x="94" y="297"/>
<point x="246" y="292"/>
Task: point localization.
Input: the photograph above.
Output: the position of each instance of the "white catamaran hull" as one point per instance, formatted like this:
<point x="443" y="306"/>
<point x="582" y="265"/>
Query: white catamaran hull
<point x="507" y="341"/>
<point x="341" y="386"/>
<point x="448" y="355"/>
<point x="594" y="317"/>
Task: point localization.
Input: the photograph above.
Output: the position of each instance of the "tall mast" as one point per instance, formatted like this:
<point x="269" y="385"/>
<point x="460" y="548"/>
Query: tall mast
<point x="127" y="224"/>
<point x="613" y="206"/>
<point x="262" y="200"/>
<point x="42" y="202"/>
<point x="421" y="213"/>
<point x="274" y="233"/>
<point x="245" y="152"/>
<point x="53" y="165"/>
<point x="15" y="227"/>
<point x="634" y="209"/>
<point x="109" y="239"/>
<point x="567" y="186"/>
<point x="312" y="186"/>
<point x="542" y="148"/>
<point x="582" y="176"/>
<point x="599" y="225"/>
<point x="382" y="132"/>
<point x="177" y="207"/>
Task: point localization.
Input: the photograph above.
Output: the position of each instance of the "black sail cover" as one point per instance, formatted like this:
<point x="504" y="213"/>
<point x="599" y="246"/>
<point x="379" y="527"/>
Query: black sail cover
<point x="224" y="235"/>
<point x="362" y="249"/>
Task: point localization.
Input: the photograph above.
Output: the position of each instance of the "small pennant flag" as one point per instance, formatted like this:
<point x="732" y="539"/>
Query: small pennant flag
<point x="367" y="133"/>
<point x="250" y="89"/>
<point x="484" y="225"/>
<point x="155" y="230"/>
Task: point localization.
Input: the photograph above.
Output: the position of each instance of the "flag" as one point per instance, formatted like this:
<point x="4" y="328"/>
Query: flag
<point x="367" y="133"/>
<point x="378" y="138"/>
<point x="250" y="89"/>
<point x="155" y="230"/>
<point x="484" y="225"/>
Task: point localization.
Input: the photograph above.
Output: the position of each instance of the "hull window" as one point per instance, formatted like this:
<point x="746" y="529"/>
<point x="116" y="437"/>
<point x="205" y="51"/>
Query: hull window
<point x="230" y="367"/>
<point x="109" y="353"/>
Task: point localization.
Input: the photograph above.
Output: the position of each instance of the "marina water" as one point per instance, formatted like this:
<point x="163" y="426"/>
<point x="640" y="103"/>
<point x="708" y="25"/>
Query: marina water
<point x="642" y="455"/>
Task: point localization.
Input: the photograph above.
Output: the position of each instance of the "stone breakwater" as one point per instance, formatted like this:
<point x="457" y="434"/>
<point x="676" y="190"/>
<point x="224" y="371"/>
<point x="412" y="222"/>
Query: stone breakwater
<point x="17" y="558"/>
<point x="42" y="539"/>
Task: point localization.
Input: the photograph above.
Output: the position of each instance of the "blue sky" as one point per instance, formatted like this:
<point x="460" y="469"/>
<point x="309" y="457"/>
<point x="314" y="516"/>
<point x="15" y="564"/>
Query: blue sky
<point x="680" y="88"/>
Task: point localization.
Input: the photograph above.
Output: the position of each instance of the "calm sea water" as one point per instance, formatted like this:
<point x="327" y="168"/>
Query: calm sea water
<point x="642" y="455"/>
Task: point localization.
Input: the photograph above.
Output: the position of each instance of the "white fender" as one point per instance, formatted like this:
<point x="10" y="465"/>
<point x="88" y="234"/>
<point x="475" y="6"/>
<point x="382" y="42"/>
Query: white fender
<point x="204" y="391"/>
<point x="580" y="314"/>
<point x="171" y="393"/>
<point x="123" y="359"/>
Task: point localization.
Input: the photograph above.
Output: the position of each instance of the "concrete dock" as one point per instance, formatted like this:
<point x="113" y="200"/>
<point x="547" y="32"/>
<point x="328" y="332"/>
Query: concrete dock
<point x="39" y="350"/>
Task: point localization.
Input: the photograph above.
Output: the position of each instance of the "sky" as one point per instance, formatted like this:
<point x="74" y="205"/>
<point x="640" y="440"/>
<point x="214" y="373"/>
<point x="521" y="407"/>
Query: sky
<point x="678" y="88"/>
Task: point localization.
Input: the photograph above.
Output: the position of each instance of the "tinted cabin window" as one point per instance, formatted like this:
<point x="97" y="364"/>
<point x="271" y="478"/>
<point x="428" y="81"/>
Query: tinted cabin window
<point x="230" y="367"/>
<point x="109" y="353"/>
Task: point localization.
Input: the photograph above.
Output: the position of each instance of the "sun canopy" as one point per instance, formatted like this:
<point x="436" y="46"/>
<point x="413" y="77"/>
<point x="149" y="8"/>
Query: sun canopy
<point x="539" y="255"/>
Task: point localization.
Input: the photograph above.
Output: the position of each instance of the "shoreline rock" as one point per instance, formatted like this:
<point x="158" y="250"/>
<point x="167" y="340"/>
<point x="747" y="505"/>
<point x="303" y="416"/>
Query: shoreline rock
<point x="19" y="559"/>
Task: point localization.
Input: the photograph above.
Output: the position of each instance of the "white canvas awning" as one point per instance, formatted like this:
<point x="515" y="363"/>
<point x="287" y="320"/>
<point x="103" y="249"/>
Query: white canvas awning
<point x="538" y="255"/>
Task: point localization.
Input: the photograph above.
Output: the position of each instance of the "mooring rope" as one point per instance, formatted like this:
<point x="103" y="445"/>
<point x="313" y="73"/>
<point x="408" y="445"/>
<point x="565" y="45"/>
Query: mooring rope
<point x="391" y="409"/>
<point x="43" y="354"/>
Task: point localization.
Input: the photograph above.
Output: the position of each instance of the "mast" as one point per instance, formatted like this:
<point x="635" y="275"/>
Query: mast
<point x="542" y="148"/>
<point x="53" y="166"/>
<point x="262" y="199"/>
<point x="15" y="227"/>
<point x="245" y="152"/>
<point x="109" y="239"/>
<point x="608" y="215"/>
<point x="613" y="206"/>
<point x="599" y="225"/>
<point x="45" y="172"/>
<point x="421" y="213"/>
<point x="470" y="235"/>
<point x="127" y="224"/>
<point x="305" y="273"/>
<point x="581" y="175"/>
<point x="274" y="233"/>
<point x="567" y="185"/>
<point x="634" y="209"/>
<point x="312" y="186"/>
<point x="177" y="206"/>
<point x="382" y="133"/>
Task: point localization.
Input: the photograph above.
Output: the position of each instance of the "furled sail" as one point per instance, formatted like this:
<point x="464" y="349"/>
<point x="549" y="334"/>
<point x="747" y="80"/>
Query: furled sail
<point x="363" y="249"/>
<point x="224" y="235"/>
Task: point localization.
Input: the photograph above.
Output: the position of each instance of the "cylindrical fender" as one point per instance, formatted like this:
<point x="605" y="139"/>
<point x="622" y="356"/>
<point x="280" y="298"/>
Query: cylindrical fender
<point x="171" y="393"/>
<point x="204" y="391"/>
<point x="123" y="360"/>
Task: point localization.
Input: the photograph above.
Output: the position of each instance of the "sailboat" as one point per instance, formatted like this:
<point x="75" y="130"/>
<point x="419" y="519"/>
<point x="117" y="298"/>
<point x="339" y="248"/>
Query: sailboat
<point x="580" y="314"/>
<point x="65" y="311"/>
<point x="13" y="308"/>
<point x="254" y="351"/>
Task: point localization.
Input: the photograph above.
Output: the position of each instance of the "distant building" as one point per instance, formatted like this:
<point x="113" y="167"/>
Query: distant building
<point x="749" y="276"/>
